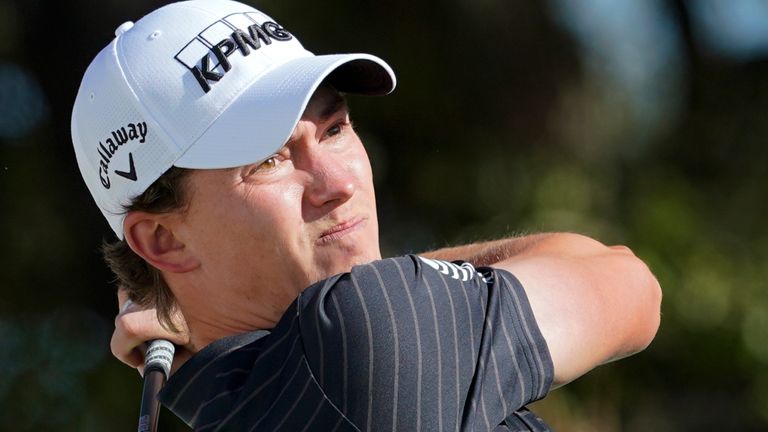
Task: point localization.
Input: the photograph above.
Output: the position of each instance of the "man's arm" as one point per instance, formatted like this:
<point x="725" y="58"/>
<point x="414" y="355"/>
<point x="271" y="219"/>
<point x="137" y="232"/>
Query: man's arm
<point x="135" y="325"/>
<point x="488" y="253"/>
<point x="593" y="303"/>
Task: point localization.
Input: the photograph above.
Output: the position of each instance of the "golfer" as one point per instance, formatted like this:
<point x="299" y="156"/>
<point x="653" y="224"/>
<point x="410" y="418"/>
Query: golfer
<point x="222" y="155"/>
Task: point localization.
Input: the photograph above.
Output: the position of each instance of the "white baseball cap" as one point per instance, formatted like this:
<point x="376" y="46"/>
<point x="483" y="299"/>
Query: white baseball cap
<point x="198" y="84"/>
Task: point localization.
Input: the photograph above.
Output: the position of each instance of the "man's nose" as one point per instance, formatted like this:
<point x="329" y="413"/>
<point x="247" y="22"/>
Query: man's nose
<point x="331" y="181"/>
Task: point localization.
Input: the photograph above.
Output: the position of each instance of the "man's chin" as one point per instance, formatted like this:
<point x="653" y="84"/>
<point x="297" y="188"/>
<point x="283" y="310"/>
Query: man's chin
<point x="343" y="261"/>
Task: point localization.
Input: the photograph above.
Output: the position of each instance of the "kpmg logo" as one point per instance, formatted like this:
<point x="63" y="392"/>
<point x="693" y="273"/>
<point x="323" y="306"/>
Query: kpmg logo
<point x="207" y="55"/>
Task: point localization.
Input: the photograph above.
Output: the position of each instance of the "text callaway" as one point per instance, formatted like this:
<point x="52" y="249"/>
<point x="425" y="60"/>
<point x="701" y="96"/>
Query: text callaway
<point x="110" y="146"/>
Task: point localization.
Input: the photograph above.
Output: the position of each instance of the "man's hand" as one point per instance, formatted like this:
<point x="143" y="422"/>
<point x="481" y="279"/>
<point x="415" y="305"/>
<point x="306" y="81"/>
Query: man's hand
<point x="135" y="325"/>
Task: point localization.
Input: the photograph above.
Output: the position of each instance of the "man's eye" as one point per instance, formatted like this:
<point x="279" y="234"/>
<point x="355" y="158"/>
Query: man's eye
<point x="268" y="164"/>
<point x="334" y="130"/>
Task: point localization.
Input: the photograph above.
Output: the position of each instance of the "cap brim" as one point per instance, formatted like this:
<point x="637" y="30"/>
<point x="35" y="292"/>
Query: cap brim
<point x="261" y="119"/>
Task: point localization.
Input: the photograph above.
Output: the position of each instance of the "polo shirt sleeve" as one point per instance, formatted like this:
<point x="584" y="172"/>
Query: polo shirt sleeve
<point x="417" y="344"/>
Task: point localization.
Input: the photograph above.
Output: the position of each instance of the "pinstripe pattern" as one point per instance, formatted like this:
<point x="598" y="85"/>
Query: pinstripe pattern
<point x="457" y="401"/>
<point x="404" y="344"/>
<point x="482" y="363"/>
<point x="344" y="356"/>
<point x="326" y="287"/>
<point x="395" y="382"/>
<point x="438" y="352"/>
<point x="418" y="348"/>
<point x="530" y="339"/>
<point x="369" y="339"/>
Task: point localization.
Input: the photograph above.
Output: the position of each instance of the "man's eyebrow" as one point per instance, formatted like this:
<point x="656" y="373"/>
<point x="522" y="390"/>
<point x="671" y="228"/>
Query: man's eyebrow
<point x="333" y="105"/>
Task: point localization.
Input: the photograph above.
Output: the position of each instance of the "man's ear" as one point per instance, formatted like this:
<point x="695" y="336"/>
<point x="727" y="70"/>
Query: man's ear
<point x="149" y="236"/>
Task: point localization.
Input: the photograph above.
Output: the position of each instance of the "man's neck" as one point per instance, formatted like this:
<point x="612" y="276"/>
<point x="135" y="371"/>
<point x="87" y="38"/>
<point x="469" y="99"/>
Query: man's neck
<point x="203" y="331"/>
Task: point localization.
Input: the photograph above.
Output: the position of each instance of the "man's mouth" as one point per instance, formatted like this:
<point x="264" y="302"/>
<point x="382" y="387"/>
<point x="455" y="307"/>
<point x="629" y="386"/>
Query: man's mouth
<point x="341" y="230"/>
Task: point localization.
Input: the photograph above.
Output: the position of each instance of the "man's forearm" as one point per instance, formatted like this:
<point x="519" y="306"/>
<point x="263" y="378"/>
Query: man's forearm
<point x="489" y="252"/>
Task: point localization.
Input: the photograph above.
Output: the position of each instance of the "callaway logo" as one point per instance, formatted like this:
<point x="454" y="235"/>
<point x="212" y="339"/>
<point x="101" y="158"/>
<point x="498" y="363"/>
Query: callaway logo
<point x="243" y="34"/>
<point x="110" y="146"/>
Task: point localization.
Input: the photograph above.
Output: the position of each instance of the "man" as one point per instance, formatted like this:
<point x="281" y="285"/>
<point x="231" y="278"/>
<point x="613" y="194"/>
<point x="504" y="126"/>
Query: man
<point x="222" y="155"/>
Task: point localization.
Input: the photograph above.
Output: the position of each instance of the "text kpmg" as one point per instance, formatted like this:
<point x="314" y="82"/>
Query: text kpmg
<point x="237" y="41"/>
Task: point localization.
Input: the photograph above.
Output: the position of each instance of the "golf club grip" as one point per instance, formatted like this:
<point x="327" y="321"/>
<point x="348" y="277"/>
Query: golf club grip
<point x="157" y="367"/>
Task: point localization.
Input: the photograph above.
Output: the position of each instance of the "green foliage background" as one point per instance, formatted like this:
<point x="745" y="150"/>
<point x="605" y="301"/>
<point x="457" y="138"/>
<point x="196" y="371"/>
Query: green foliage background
<point x="502" y="123"/>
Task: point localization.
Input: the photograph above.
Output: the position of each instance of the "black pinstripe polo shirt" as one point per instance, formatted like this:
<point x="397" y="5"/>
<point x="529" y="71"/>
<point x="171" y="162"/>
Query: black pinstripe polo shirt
<point x="402" y="344"/>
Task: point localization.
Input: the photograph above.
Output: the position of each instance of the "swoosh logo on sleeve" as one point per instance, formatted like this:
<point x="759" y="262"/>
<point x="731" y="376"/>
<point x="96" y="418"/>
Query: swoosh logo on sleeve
<point x="463" y="272"/>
